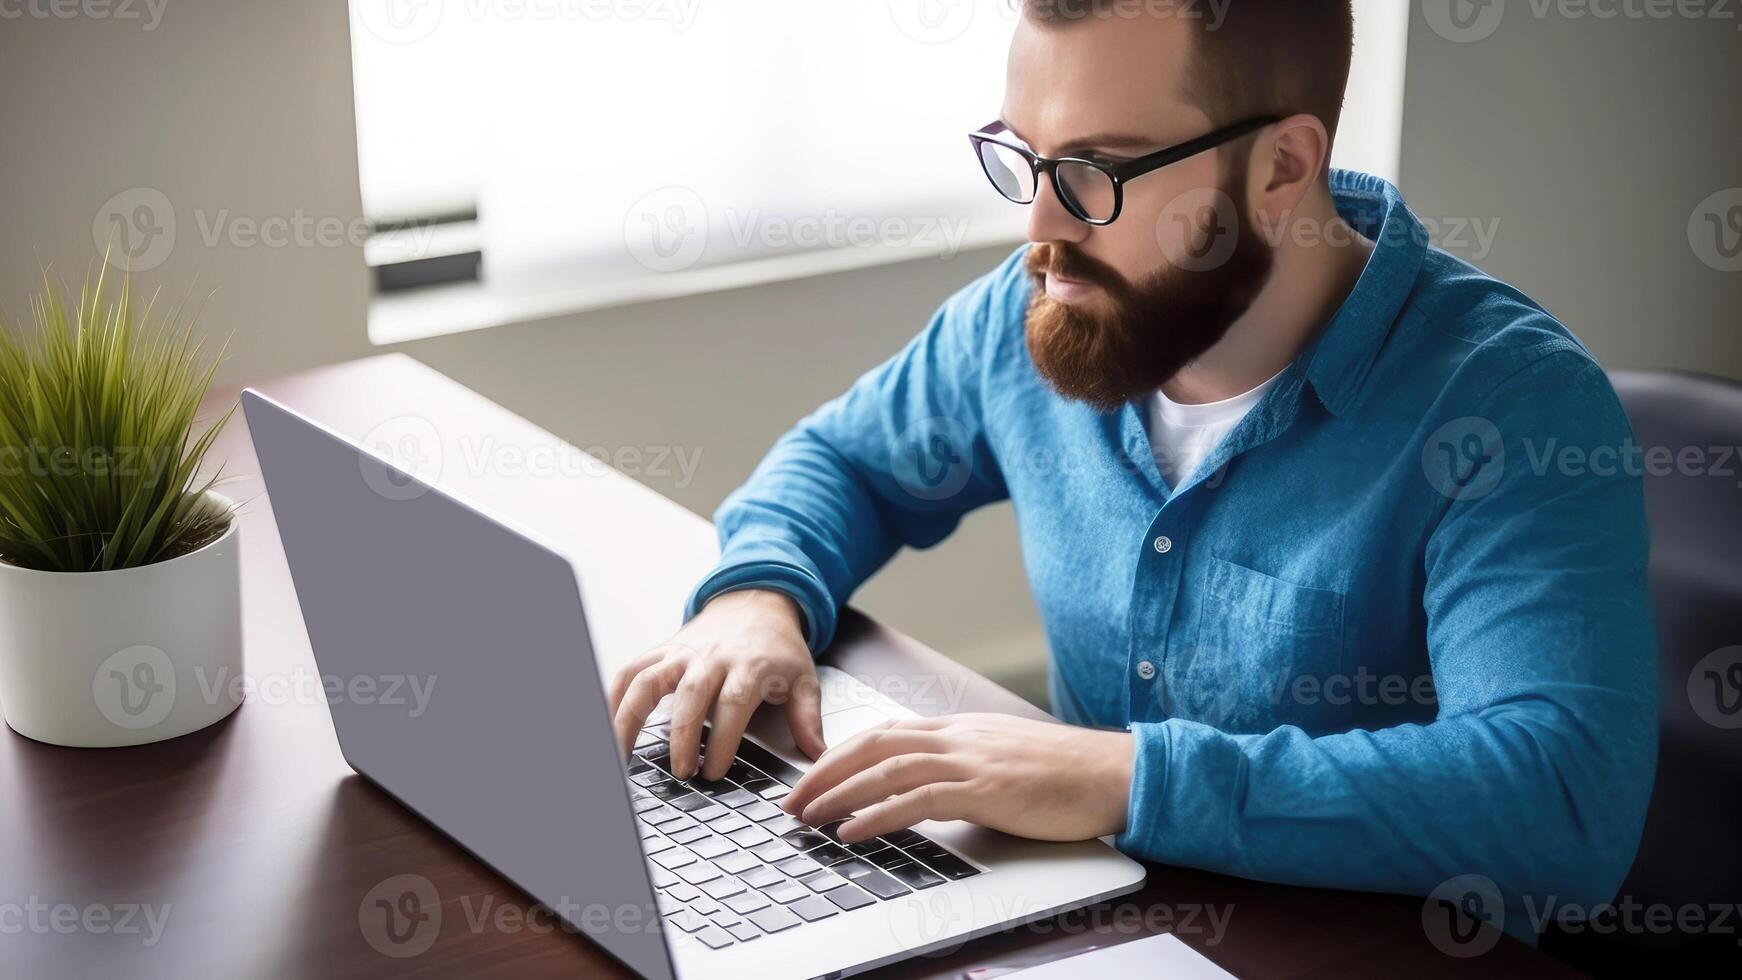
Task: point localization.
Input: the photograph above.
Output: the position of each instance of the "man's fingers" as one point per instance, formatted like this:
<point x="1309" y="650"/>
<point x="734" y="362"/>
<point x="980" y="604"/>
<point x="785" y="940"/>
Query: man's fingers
<point x="631" y="670"/>
<point x="695" y="693"/>
<point x="933" y="801"/>
<point x="643" y="695"/>
<point x="737" y="701"/>
<point x="804" y="716"/>
<point x="859" y="752"/>
<point x="893" y="776"/>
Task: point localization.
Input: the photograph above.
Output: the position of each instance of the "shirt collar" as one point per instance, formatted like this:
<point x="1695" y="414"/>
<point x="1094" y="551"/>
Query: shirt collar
<point x="1338" y="360"/>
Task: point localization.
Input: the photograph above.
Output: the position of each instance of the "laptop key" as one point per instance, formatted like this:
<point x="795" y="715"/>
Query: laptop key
<point x="745" y="903"/>
<point x="798" y="865"/>
<point x="715" y="937"/>
<point x="786" y="891"/>
<point x="673" y="858"/>
<point x="692" y="801"/>
<point x="705" y="905"/>
<point x="653" y="845"/>
<point x="712" y="847"/>
<point x="773" y="850"/>
<point x="683" y="892"/>
<point x="740" y="772"/>
<point x="822" y="881"/>
<point x="750" y="836"/>
<point x="852" y="868"/>
<point x="735" y="861"/>
<point x="952" y="867"/>
<point x="768" y="789"/>
<point x="761" y="810"/>
<point x="724" y="886"/>
<point x="881" y="885"/>
<point x="743" y="931"/>
<point x="687" y="920"/>
<point x="804" y="840"/>
<point x="737" y="798"/>
<point x="698" y="872"/>
<point x="813" y="907"/>
<point x="760" y="876"/>
<point x="687" y="834"/>
<point x="828" y="854"/>
<point x="783" y="823"/>
<point x="730" y="822"/>
<point x="887" y="858"/>
<point x="664" y="814"/>
<point x="915" y="876"/>
<point x="906" y="838"/>
<point x="661" y="878"/>
<point x="773" y="919"/>
<point x="710" y="813"/>
<point x="871" y="846"/>
<point x="849" y="897"/>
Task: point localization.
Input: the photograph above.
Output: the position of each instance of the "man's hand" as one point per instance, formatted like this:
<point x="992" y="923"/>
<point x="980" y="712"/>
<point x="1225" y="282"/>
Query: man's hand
<point x="743" y="648"/>
<point x="1034" y="779"/>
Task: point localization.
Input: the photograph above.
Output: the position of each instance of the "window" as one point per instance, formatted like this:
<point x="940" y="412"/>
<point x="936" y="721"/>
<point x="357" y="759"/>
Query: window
<point x="524" y="158"/>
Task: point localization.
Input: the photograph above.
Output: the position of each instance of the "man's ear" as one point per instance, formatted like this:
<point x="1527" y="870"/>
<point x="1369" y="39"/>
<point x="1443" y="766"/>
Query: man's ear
<point x="1288" y="162"/>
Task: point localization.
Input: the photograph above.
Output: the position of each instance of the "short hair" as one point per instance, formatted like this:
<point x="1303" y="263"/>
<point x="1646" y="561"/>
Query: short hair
<point x="1253" y="58"/>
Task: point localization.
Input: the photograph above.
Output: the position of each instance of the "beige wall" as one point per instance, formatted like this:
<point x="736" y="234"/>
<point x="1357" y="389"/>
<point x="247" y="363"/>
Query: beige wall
<point x="1591" y="143"/>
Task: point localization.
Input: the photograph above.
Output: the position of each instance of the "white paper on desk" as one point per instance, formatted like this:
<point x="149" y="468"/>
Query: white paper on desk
<point x="1161" y="956"/>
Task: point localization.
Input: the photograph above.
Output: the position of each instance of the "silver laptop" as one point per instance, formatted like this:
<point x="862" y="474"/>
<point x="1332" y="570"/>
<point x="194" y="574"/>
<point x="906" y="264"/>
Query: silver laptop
<point x="513" y="755"/>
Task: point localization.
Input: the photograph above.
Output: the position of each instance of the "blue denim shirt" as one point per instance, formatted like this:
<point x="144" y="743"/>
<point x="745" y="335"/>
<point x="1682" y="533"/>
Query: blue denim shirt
<point x="1395" y="630"/>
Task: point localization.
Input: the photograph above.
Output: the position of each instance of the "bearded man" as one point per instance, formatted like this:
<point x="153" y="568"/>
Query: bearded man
<point x="1317" y="611"/>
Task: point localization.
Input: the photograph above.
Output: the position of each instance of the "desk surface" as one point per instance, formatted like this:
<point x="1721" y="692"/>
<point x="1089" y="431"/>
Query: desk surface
<point x="253" y="845"/>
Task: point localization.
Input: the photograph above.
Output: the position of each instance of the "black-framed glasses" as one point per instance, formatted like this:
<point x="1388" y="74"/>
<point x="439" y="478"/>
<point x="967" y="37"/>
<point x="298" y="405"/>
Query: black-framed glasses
<point x="1091" y="190"/>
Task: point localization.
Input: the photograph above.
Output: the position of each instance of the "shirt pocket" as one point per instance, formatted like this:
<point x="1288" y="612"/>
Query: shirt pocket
<point x="1258" y="634"/>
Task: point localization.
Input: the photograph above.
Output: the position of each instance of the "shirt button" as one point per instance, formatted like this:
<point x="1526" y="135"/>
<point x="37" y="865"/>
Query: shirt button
<point x="1146" y="670"/>
<point x="1163" y="545"/>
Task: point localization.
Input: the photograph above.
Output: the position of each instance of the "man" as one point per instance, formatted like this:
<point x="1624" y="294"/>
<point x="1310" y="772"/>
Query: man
<point x="1319" y="610"/>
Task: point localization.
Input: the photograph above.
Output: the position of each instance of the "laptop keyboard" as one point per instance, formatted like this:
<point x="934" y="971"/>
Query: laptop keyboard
<point x="731" y="866"/>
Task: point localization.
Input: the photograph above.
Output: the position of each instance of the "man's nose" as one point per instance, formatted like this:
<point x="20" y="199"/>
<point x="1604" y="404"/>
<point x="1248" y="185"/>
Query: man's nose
<point x="1048" y="221"/>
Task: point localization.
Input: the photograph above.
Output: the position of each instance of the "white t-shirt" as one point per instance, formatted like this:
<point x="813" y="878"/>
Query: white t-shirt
<point x="1182" y="435"/>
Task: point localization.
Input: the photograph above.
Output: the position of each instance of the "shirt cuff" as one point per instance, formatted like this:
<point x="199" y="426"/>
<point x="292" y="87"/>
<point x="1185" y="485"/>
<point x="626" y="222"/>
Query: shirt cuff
<point x="1146" y="819"/>
<point x="800" y="584"/>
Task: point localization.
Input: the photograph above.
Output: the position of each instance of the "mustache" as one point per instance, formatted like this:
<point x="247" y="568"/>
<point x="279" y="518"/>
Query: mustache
<point x="1066" y="261"/>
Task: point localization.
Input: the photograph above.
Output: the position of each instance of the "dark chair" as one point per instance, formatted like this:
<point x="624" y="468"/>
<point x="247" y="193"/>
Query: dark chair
<point x="1691" y="854"/>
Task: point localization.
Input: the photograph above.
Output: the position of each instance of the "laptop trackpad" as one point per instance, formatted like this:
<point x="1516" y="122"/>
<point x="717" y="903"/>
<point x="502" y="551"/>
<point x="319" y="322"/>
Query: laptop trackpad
<point x="843" y="725"/>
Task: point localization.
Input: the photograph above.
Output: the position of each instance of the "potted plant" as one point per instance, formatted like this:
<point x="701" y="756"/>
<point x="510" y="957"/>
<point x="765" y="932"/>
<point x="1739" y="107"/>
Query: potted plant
<point x="120" y="593"/>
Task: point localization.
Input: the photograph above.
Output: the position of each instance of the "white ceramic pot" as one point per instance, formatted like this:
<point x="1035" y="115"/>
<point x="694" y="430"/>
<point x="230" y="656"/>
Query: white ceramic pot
<point x="135" y="655"/>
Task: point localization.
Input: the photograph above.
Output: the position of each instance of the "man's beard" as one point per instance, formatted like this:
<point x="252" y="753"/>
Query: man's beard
<point x="1138" y="337"/>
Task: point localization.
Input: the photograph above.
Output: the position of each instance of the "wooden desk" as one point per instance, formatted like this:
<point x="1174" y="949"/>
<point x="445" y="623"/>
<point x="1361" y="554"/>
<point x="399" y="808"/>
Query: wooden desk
<point x="254" y="844"/>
